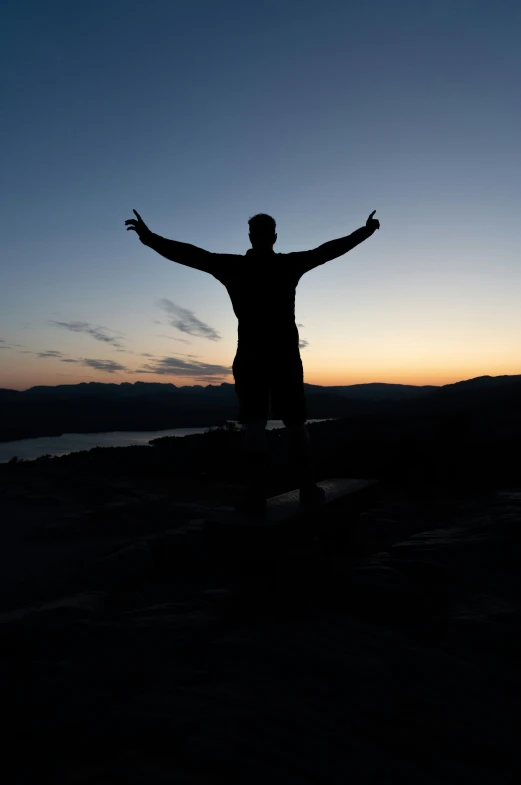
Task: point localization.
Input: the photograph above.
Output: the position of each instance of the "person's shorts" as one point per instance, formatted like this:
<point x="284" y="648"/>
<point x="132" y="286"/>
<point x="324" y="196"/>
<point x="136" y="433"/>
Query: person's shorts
<point x="279" y="379"/>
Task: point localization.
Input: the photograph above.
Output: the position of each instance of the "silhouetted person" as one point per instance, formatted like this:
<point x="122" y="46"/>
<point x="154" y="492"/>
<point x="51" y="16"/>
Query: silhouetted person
<point x="262" y="285"/>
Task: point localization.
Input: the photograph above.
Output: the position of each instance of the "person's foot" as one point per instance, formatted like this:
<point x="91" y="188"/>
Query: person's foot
<point x="252" y="503"/>
<point x="312" y="494"/>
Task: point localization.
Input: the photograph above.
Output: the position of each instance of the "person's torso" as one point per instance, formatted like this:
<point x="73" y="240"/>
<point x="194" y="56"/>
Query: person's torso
<point x="262" y="291"/>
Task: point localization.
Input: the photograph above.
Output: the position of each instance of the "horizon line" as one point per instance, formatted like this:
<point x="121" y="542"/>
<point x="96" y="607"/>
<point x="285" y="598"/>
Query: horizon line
<point x="231" y="384"/>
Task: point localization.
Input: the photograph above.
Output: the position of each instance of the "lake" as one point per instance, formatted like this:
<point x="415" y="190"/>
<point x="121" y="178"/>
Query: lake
<point x="29" y="449"/>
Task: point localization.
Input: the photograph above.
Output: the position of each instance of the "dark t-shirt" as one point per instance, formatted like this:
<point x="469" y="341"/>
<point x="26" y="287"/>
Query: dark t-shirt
<point x="262" y="290"/>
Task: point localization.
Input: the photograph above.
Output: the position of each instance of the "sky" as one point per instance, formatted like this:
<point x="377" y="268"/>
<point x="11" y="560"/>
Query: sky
<point x="200" y="114"/>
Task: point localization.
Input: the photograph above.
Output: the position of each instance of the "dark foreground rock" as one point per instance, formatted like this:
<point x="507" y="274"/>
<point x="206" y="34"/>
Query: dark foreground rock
<point x="143" y="656"/>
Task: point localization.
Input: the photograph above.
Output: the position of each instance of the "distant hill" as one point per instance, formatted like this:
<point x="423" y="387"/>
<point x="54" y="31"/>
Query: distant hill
<point x="96" y="407"/>
<point x="373" y="391"/>
<point x="377" y="391"/>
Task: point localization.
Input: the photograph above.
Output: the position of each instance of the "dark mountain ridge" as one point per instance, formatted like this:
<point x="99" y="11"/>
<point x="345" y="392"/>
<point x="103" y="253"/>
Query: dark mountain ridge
<point x="373" y="390"/>
<point x="97" y="407"/>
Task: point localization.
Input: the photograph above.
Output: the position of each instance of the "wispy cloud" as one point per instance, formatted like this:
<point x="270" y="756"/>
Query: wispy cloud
<point x="5" y="345"/>
<point x="186" y="321"/>
<point x="50" y="353"/>
<point x="171" y="338"/>
<point x="99" y="333"/>
<point x="43" y="353"/>
<point x="303" y="343"/>
<point x="210" y="380"/>
<point x="177" y="366"/>
<point x="300" y="325"/>
<point x="103" y="365"/>
<point x="110" y="366"/>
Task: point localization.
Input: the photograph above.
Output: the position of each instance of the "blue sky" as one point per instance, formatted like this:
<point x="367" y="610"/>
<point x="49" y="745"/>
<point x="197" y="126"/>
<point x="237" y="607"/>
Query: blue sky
<point x="200" y="114"/>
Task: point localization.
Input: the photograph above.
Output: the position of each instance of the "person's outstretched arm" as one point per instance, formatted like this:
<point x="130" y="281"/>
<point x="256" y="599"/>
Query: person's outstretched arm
<point x="183" y="253"/>
<point x="307" y="260"/>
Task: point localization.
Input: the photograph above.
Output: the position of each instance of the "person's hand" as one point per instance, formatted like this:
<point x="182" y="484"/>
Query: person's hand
<point x="371" y="223"/>
<point x="138" y="226"/>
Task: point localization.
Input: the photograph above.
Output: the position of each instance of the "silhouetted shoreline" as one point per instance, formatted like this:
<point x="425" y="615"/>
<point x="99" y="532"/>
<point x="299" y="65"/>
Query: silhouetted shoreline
<point x="34" y="448"/>
<point x="466" y="430"/>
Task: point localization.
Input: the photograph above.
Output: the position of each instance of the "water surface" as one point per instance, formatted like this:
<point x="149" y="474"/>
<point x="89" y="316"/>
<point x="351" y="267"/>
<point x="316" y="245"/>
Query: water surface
<point x="29" y="449"/>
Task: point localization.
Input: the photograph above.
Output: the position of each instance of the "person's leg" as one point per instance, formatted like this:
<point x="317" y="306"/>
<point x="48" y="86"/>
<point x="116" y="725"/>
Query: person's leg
<point x="290" y="402"/>
<point x="299" y="452"/>
<point x="301" y="456"/>
<point x="251" y="387"/>
<point x="256" y="451"/>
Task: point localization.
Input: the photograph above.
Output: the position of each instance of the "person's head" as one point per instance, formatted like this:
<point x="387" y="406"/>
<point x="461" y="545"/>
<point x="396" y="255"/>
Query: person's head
<point x="262" y="232"/>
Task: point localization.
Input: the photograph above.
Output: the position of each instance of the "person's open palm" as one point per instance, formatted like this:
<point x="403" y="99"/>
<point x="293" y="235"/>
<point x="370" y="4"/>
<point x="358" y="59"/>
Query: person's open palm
<point x="371" y="223"/>
<point x="138" y="225"/>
